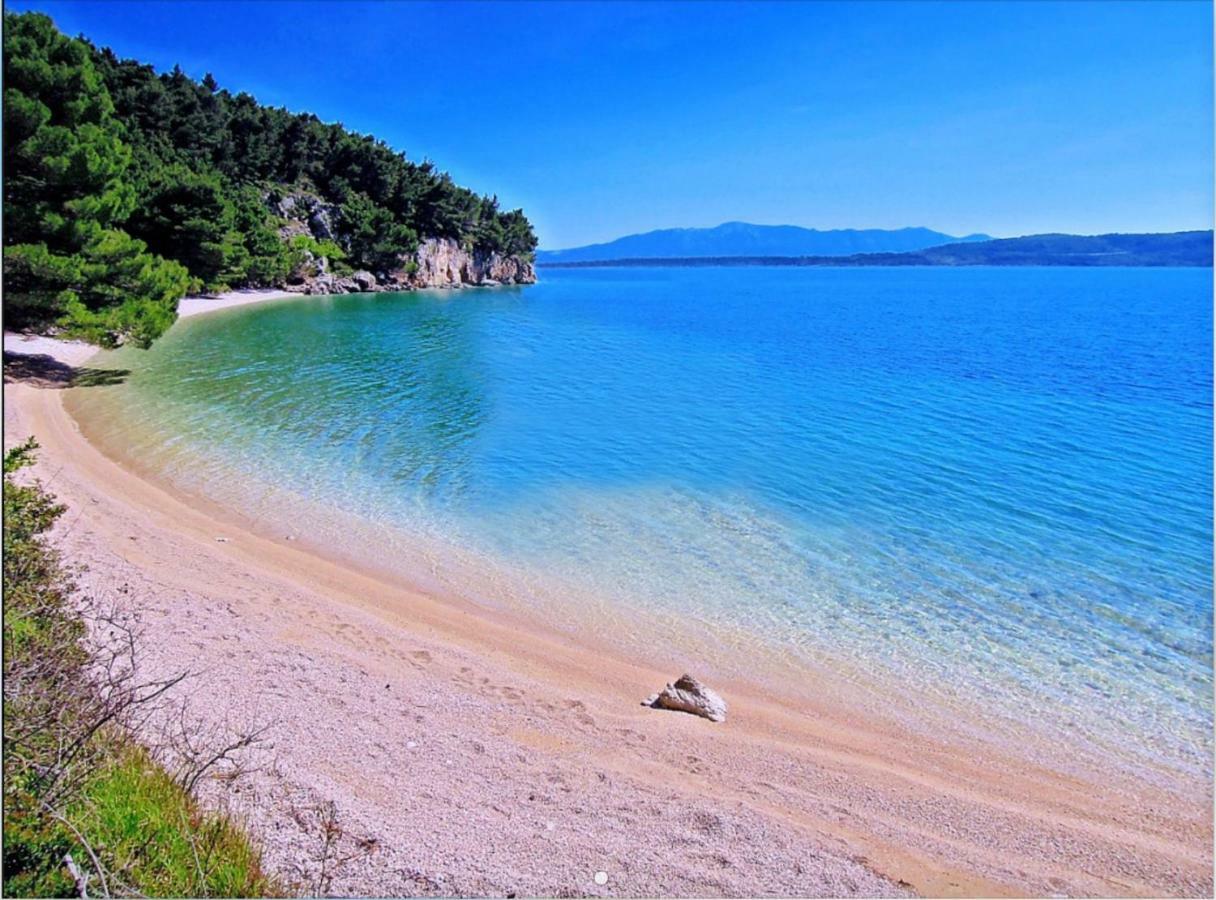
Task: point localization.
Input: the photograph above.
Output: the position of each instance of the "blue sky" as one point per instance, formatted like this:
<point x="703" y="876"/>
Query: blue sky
<point x="607" y="119"/>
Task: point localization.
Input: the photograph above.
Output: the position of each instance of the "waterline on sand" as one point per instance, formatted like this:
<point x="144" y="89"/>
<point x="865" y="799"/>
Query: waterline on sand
<point x="968" y="537"/>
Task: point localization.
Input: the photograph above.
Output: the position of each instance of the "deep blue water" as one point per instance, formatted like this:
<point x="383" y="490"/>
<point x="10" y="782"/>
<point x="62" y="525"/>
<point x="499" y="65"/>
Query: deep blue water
<point x="995" y="482"/>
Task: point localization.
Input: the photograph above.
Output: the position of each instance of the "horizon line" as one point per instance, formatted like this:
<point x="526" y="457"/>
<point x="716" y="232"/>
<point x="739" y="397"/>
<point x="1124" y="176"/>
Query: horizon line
<point x="963" y="237"/>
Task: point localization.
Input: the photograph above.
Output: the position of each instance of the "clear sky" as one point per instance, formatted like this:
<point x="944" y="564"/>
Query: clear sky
<point x="607" y="119"/>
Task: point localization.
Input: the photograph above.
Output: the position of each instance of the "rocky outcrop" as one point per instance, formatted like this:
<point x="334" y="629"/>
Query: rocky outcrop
<point x="294" y="228"/>
<point x="356" y="283"/>
<point x="364" y="281"/>
<point x="307" y="214"/>
<point x="444" y="263"/>
<point x="437" y="263"/>
<point x="691" y="696"/>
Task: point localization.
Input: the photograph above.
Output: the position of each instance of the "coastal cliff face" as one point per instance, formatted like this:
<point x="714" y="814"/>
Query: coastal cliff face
<point x="443" y="263"/>
<point x="437" y="263"/>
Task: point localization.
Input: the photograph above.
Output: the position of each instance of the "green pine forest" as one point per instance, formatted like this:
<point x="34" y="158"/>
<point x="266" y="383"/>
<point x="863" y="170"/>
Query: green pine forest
<point x="125" y="189"/>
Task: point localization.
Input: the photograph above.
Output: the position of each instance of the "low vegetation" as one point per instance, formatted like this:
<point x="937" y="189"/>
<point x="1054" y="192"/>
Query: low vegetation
<point x="87" y="810"/>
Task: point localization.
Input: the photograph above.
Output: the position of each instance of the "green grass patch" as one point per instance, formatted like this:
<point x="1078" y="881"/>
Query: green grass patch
<point x="153" y="836"/>
<point x="75" y="781"/>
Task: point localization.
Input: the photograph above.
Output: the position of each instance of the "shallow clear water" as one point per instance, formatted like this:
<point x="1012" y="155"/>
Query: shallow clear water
<point x="994" y="483"/>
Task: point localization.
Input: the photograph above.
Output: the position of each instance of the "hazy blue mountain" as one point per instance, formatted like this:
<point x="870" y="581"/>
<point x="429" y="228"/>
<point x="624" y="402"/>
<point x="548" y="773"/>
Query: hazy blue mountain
<point x="1183" y="248"/>
<point x="743" y="239"/>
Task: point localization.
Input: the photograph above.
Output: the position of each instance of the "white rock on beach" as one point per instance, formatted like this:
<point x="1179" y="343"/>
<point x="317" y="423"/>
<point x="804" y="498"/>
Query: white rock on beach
<point x="691" y="696"/>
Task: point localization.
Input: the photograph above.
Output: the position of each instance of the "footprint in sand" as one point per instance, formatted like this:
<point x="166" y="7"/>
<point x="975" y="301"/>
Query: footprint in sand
<point x="632" y="738"/>
<point x="577" y="707"/>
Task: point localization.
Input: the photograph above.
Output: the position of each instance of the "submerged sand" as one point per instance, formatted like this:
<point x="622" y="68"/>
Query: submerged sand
<point x="465" y="751"/>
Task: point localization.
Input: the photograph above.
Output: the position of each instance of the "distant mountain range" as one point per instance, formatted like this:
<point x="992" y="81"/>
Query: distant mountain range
<point x="1183" y="248"/>
<point x="743" y="239"/>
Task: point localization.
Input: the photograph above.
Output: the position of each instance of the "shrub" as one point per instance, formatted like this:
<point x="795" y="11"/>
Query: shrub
<point x="75" y="781"/>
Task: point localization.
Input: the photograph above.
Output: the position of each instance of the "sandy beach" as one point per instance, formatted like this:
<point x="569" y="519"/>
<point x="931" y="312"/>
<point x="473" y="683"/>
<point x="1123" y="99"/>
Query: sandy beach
<point x="195" y="306"/>
<point x="75" y="353"/>
<point x="465" y="751"/>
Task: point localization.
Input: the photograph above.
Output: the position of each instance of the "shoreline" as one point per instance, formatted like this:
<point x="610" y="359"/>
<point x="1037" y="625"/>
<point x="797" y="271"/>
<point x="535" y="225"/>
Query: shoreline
<point x="831" y="783"/>
<point x="720" y="652"/>
<point x="75" y="353"/>
<point x="208" y="303"/>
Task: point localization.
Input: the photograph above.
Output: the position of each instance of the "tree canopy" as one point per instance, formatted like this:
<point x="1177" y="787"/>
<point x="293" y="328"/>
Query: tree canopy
<point x="66" y="191"/>
<point x="124" y="188"/>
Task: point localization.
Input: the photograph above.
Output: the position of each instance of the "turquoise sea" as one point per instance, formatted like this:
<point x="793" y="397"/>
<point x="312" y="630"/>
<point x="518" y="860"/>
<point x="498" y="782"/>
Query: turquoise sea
<point x="992" y="486"/>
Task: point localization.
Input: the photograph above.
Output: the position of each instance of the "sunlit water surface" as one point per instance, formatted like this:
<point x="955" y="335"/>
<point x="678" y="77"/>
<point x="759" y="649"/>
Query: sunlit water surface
<point x="991" y="485"/>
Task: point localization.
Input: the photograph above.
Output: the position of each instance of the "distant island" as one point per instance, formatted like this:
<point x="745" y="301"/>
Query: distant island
<point x="1184" y="248"/>
<point x="732" y="239"/>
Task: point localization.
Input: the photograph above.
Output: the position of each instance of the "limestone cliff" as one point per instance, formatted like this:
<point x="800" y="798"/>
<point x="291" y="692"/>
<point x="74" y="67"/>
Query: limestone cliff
<point x="437" y="263"/>
<point x="443" y="263"/>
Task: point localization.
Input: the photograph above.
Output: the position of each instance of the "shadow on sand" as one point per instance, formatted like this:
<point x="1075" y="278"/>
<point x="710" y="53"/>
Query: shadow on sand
<point x="44" y="371"/>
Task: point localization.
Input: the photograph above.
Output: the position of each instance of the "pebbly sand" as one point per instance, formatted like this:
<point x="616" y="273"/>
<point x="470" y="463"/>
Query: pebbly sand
<point x="465" y="752"/>
<point x="195" y="306"/>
